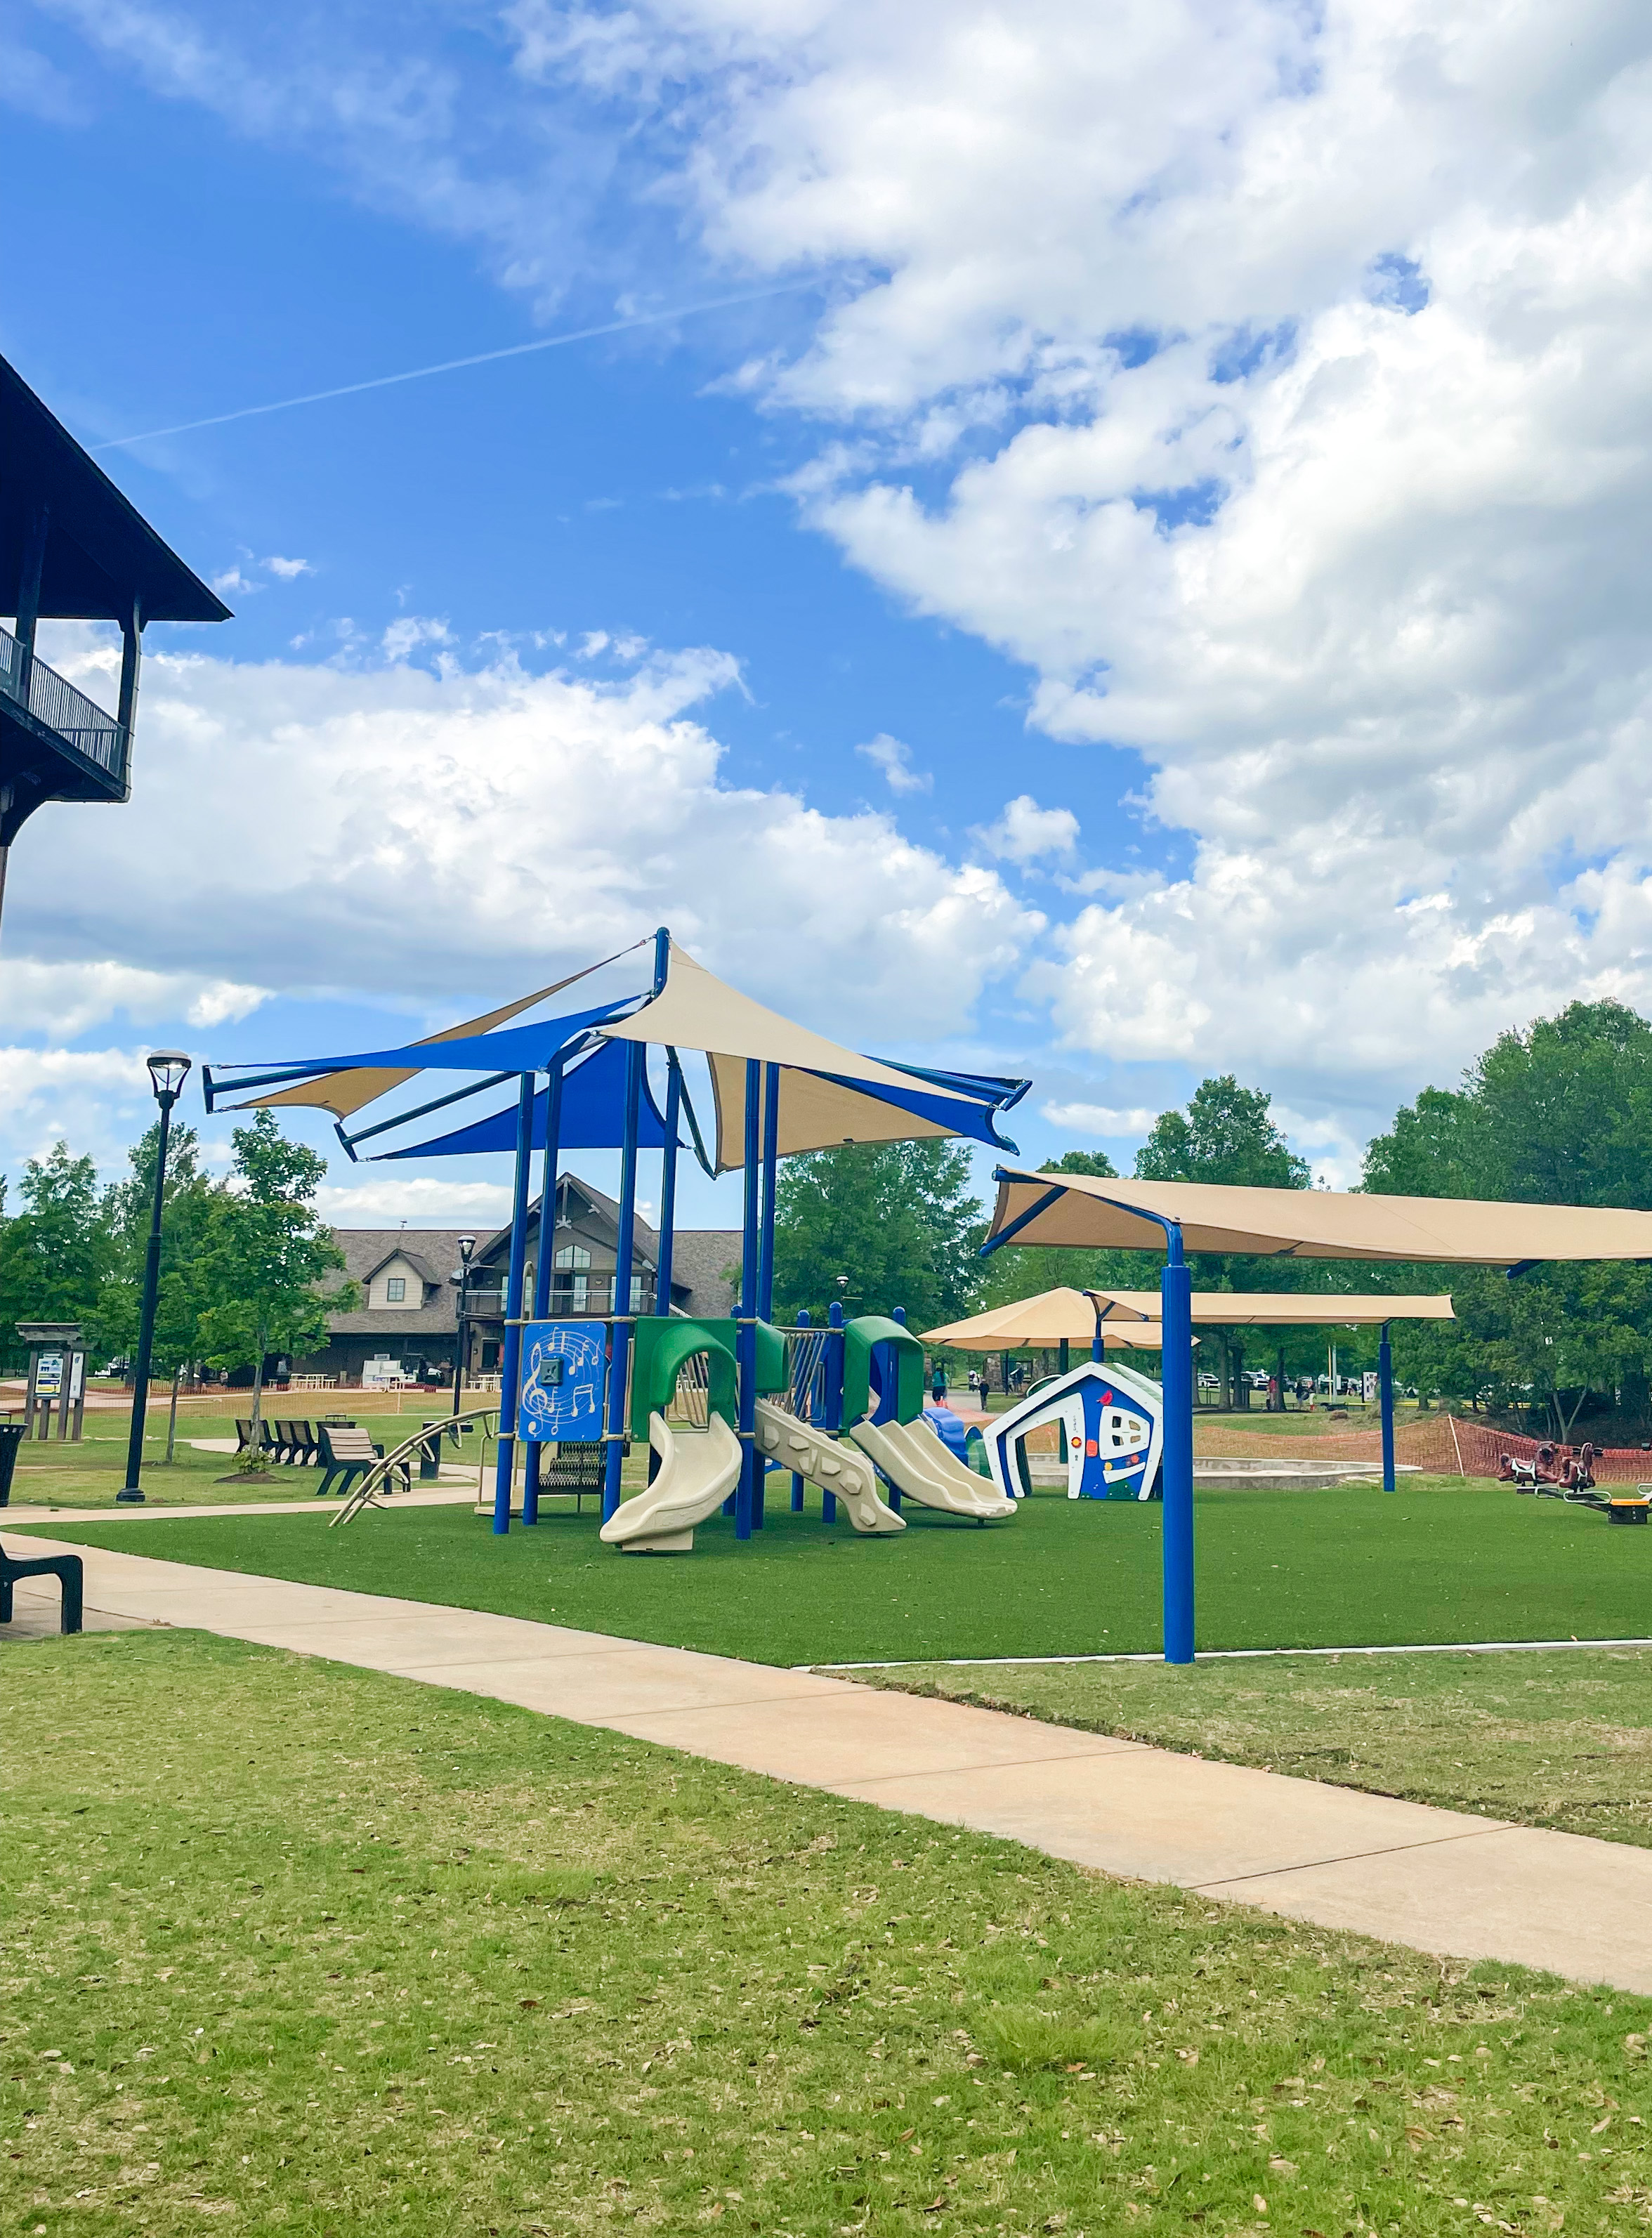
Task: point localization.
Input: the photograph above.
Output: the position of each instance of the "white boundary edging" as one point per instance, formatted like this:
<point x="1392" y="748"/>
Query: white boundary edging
<point x="1229" y="1654"/>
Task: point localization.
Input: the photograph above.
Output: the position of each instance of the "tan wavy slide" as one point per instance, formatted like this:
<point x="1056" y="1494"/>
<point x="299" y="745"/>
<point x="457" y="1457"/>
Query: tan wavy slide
<point x="835" y="1468"/>
<point x="919" y="1467"/>
<point x="697" y="1473"/>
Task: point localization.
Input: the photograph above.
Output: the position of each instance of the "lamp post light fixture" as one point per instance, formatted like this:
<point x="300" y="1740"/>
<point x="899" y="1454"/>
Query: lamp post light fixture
<point x="168" y="1068"/>
<point x="462" y="1277"/>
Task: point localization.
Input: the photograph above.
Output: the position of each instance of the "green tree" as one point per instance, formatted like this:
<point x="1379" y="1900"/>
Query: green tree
<point x="56" y="1252"/>
<point x="264" y="1253"/>
<point x="1559" y="1113"/>
<point x="896" y="1218"/>
<point x="1227" y="1135"/>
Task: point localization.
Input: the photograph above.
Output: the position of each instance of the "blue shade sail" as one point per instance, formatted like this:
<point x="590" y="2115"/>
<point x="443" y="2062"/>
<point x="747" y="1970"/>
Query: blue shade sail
<point x="593" y="1115"/>
<point x="515" y="1049"/>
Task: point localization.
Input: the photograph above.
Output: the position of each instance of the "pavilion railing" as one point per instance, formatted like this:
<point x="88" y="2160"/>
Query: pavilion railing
<point x="53" y="700"/>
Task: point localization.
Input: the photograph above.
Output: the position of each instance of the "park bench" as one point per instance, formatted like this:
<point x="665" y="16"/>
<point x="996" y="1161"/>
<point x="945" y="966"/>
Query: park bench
<point x="348" y="1452"/>
<point x="244" y="1431"/>
<point x="70" y="1572"/>
<point x="295" y="1443"/>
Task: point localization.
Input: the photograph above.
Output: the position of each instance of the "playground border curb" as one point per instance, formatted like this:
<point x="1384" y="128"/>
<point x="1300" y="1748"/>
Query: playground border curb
<point x="1230" y="1654"/>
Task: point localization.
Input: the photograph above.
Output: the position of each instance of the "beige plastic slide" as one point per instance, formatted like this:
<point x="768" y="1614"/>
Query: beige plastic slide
<point x="919" y="1467"/>
<point x="837" y="1468"/>
<point x="697" y="1473"/>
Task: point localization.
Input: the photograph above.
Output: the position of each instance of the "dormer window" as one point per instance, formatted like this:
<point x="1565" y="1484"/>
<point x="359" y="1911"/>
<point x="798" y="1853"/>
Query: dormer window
<point x="395" y="1290"/>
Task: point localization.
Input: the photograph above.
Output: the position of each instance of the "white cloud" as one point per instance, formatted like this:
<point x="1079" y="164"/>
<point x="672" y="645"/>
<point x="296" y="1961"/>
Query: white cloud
<point x="1025" y="831"/>
<point x="67" y="999"/>
<point x="1101" y="1119"/>
<point x="379" y="831"/>
<point x="232" y="580"/>
<point x="406" y="635"/>
<point x="288" y="570"/>
<point x="98" y="1100"/>
<point x="1304" y="359"/>
<point x="419" y="1201"/>
<point x="893" y="758"/>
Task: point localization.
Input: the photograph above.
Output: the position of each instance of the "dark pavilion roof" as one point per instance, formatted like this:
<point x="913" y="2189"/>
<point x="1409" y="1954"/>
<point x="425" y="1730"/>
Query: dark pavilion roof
<point x="100" y="553"/>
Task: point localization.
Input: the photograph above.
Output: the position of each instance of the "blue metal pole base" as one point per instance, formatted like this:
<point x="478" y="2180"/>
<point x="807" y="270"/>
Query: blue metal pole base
<point x="1176" y="1310"/>
<point x="1385" y="1387"/>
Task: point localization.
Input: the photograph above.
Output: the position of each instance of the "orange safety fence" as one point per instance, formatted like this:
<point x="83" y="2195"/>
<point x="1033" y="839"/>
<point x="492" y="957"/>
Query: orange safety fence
<point x="1447" y="1446"/>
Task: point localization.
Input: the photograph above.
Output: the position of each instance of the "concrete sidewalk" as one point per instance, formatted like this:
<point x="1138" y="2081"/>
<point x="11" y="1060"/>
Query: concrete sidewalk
<point x="1439" y="1880"/>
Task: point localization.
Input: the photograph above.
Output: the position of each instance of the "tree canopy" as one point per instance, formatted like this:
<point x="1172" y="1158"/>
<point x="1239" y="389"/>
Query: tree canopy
<point x="898" y="1219"/>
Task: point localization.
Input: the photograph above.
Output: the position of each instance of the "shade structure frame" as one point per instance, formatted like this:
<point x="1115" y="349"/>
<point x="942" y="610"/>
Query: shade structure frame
<point x="829" y="1094"/>
<point x="1085" y="1211"/>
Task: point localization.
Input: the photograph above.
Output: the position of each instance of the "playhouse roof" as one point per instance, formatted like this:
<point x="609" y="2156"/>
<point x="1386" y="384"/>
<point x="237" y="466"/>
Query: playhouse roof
<point x="1084" y="1210"/>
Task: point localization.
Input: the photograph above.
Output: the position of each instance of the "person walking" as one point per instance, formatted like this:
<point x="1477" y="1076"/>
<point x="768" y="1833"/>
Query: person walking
<point x="938" y="1384"/>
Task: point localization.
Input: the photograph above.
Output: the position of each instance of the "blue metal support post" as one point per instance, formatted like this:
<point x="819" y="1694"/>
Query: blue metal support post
<point x="668" y="1184"/>
<point x="1385" y="1390"/>
<point x="799" y="1392"/>
<point x="545" y="1259"/>
<point x="766" y="1247"/>
<point x="1176" y="1313"/>
<point x="833" y="1396"/>
<point x="746" y="1339"/>
<point x="624" y="1258"/>
<point x="510" y="1358"/>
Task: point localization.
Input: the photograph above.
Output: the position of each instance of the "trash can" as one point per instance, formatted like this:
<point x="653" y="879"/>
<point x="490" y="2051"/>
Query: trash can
<point x="12" y="1436"/>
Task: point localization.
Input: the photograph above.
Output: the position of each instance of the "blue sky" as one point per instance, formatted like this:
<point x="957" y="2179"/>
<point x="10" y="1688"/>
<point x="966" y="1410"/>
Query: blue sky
<point x="1240" y="633"/>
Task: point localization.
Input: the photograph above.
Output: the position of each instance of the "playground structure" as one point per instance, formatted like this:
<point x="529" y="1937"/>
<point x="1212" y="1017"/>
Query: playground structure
<point x="1111" y="1425"/>
<point x="852" y="1399"/>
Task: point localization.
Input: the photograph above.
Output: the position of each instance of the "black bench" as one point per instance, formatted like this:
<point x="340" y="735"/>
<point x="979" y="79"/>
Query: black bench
<point x="68" y="1569"/>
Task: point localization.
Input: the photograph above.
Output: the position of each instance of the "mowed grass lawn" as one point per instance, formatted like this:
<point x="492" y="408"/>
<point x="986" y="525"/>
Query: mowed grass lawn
<point x="1439" y="1560"/>
<point x="1558" y="1740"/>
<point x="89" y="1472"/>
<point x="292" y="1947"/>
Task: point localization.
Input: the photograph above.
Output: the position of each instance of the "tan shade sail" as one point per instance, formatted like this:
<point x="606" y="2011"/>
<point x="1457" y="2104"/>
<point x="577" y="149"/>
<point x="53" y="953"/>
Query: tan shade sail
<point x="1277" y="1309"/>
<point x="697" y="1010"/>
<point x="345" y="1093"/>
<point x="1078" y="1209"/>
<point x="1054" y="1317"/>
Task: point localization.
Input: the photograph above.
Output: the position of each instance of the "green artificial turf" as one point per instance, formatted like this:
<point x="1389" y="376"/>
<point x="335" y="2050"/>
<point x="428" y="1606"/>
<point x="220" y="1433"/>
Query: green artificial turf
<point x="1439" y="1560"/>
<point x="293" y="1948"/>
<point x="1546" y="1739"/>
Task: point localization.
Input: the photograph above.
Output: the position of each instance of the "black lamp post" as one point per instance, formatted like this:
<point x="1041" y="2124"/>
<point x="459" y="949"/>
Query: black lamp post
<point x="462" y="1276"/>
<point x="168" y="1071"/>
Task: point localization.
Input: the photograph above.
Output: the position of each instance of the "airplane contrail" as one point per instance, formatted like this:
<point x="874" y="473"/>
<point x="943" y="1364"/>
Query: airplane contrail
<point x="456" y="364"/>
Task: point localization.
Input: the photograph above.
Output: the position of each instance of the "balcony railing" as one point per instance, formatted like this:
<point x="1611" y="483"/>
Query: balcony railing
<point x="53" y="700"/>
<point x="569" y="1301"/>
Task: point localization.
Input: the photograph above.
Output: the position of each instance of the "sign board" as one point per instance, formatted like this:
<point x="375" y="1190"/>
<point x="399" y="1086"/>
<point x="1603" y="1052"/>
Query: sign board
<point x="564" y="1368"/>
<point x="1369" y="1393"/>
<point x="49" y="1376"/>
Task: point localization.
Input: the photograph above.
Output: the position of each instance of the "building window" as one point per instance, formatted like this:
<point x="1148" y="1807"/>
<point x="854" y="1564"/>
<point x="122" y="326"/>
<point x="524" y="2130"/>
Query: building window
<point x="395" y="1290"/>
<point x="573" y="1255"/>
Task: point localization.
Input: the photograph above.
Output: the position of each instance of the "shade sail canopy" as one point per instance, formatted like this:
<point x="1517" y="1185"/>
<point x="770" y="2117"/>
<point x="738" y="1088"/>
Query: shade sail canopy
<point x="592" y="1117"/>
<point x="828" y="1094"/>
<point x="350" y="1081"/>
<point x="1083" y="1210"/>
<point x="1278" y="1309"/>
<point x="1053" y="1317"/>
<point x="344" y="1093"/>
